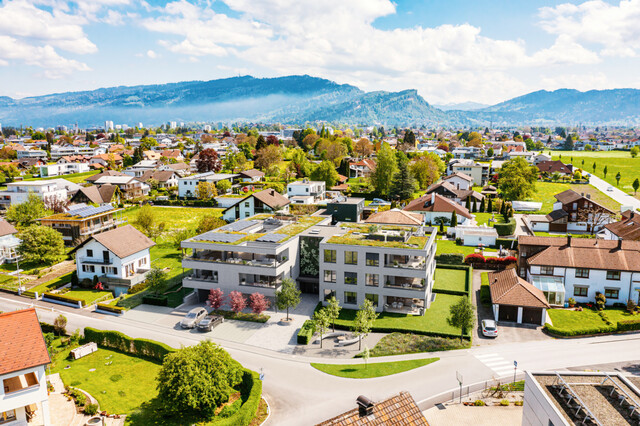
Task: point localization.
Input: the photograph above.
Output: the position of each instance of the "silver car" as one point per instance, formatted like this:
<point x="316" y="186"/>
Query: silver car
<point x="489" y="328"/>
<point x="193" y="317"/>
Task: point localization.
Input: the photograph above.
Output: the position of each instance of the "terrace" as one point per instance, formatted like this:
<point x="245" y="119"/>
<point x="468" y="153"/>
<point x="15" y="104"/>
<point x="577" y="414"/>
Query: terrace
<point x="238" y="258"/>
<point x="403" y="261"/>
<point x="399" y="238"/>
<point x="263" y="281"/>
<point x="404" y="305"/>
<point x="404" y="283"/>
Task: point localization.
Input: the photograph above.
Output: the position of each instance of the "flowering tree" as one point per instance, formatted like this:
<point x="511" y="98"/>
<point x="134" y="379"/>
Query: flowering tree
<point x="238" y="302"/>
<point x="216" y="298"/>
<point x="258" y="303"/>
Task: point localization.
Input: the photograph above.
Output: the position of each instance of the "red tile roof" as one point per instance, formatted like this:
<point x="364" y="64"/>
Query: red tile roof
<point x="22" y="345"/>
<point x="628" y="228"/>
<point x="507" y="288"/>
<point x="439" y="204"/>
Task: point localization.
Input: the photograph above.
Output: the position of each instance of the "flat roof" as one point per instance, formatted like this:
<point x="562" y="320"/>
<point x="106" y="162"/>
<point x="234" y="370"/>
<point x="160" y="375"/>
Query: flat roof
<point x="390" y="236"/>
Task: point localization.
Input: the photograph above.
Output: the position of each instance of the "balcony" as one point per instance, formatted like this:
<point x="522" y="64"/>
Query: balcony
<point x="407" y="262"/>
<point x="404" y="283"/>
<point x="21" y="383"/>
<point x="404" y="305"/>
<point x="246" y="259"/>
<point x="88" y="230"/>
<point x="275" y="284"/>
<point x="95" y="261"/>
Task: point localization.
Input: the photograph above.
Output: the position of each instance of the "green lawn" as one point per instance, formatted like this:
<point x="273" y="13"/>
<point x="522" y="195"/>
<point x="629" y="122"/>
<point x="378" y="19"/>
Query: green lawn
<point x="8" y="282"/>
<point x="450" y="279"/>
<point x="120" y="383"/>
<point x="545" y="192"/>
<point x="616" y="161"/>
<point x="52" y="284"/>
<point x="370" y="370"/>
<point x="408" y="343"/>
<point x="588" y="319"/>
<point x="175" y="217"/>
<point x="447" y="246"/>
<point x="89" y="296"/>
<point x="75" y="177"/>
<point x="483" y="218"/>
<point x="433" y="321"/>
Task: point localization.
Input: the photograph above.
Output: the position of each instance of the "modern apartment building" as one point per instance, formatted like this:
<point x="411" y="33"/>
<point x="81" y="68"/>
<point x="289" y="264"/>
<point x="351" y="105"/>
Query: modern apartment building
<point x="306" y="191"/>
<point x="18" y="192"/>
<point x="478" y="171"/>
<point x="63" y="169"/>
<point x="188" y="186"/>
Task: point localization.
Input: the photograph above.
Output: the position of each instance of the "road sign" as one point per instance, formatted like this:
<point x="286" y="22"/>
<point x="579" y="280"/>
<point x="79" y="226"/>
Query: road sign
<point x="515" y="364"/>
<point x="459" y="377"/>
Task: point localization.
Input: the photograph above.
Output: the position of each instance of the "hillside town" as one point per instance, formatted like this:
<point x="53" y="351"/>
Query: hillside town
<point x="322" y="242"/>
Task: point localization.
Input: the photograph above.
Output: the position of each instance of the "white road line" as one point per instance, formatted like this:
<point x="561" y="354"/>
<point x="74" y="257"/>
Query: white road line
<point x="496" y="363"/>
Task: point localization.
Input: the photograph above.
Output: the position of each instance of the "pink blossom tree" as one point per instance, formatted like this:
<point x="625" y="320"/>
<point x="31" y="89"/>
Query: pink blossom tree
<point x="216" y="298"/>
<point x="258" y="303"/>
<point x="238" y="302"/>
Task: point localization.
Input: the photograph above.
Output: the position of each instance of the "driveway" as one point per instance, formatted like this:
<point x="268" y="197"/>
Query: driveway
<point x="521" y="228"/>
<point x="617" y="194"/>
<point x="507" y="332"/>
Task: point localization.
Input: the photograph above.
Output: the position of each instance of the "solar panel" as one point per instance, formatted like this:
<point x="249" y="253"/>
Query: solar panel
<point x="77" y="206"/>
<point x="218" y="237"/>
<point x="239" y="225"/>
<point x="272" y="238"/>
<point x="90" y="210"/>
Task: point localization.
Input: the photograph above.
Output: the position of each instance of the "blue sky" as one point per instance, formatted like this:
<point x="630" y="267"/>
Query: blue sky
<point x="450" y="51"/>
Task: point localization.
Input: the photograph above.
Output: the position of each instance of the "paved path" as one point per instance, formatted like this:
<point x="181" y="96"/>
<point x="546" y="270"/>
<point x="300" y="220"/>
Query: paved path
<point x="477" y="416"/>
<point x="617" y="194"/>
<point x="290" y="382"/>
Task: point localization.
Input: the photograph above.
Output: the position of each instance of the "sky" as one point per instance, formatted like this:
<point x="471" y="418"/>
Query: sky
<point x="451" y="51"/>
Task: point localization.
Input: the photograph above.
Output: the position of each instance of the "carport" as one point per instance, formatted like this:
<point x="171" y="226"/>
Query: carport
<point x="515" y="300"/>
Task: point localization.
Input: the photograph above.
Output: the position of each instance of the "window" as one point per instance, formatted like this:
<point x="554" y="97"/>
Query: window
<point x="581" y="291"/>
<point x="611" y="293"/>
<point x="546" y="270"/>
<point x="373" y="259"/>
<point x="142" y="261"/>
<point x="371" y="280"/>
<point x="246" y="204"/>
<point x="330" y="256"/>
<point x="373" y="298"/>
<point x="350" y="298"/>
<point x="351" y="257"/>
<point x="613" y="275"/>
<point x="329" y="276"/>
<point x="8" y="416"/>
<point x="582" y="273"/>
<point x="88" y="268"/>
<point x="89" y="253"/>
<point x="351" y="278"/>
<point x="328" y="294"/>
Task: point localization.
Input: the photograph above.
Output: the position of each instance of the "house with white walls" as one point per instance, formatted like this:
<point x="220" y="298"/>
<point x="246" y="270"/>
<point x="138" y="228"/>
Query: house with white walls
<point x="266" y="201"/>
<point x="18" y="192"/>
<point x="435" y="207"/>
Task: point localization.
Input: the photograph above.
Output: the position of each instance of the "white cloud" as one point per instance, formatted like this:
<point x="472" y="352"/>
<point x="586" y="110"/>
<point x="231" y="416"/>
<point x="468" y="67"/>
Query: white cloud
<point x="151" y="54"/>
<point x="612" y="27"/>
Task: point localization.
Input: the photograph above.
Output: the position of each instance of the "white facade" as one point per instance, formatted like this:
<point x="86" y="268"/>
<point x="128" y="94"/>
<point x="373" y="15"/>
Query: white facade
<point x="306" y="192"/>
<point x="21" y="389"/>
<point x="430" y="217"/>
<point x="458" y="182"/>
<point x="18" y="192"/>
<point x="478" y="171"/>
<point x="94" y="259"/>
<point x="63" y="151"/>
<point x="31" y="153"/>
<point x="63" y="169"/>
<point x="187" y="186"/>
<point x="476" y="235"/>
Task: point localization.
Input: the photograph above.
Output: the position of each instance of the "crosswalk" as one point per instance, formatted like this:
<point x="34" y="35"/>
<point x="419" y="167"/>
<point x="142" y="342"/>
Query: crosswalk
<point x="497" y="363"/>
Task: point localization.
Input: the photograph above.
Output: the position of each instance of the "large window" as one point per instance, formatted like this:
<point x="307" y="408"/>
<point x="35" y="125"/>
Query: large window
<point x="546" y="270"/>
<point x="373" y="259"/>
<point x="7" y="416"/>
<point x="328" y="294"/>
<point x="581" y="291"/>
<point x="351" y="257"/>
<point x="330" y="256"/>
<point x="350" y="298"/>
<point x="88" y="268"/>
<point x="611" y="293"/>
<point x="371" y="280"/>
<point x="329" y="276"/>
<point x="351" y="278"/>
<point x="582" y="273"/>
<point x="613" y="275"/>
<point x="373" y="298"/>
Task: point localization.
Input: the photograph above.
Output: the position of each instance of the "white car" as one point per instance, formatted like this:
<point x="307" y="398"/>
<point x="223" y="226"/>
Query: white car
<point x="610" y="189"/>
<point x="489" y="328"/>
<point x="379" y="202"/>
<point x="193" y="317"/>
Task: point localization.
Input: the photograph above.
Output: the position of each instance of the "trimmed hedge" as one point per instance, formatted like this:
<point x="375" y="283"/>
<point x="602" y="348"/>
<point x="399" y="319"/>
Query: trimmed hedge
<point x="63" y="298"/>
<point x="485" y="295"/>
<point x="111" y="308"/>
<point x="123" y="343"/>
<point x="450" y="259"/>
<point x="251" y="391"/>
<point x="582" y="332"/>
<point x="505" y="229"/>
<point x="629" y="325"/>
<point x="242" y="316"/>
<point x="306" y="332"/>
<point x="155" y="299"/>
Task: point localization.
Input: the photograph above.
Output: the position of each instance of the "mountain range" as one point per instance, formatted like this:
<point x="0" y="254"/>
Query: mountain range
<point x="300" y="99"/>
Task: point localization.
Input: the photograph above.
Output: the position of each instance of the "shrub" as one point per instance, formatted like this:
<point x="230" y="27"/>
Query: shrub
<point x="242" y="316"/>
<point x="60" y="325"/>
<point x="507" y="243"/>
<point x="479" y="403"/>
<point x="571" y="301"/>
<point x="91" y="409"/>
<point x="306" y="332"/>
<point x="581" y="332"/>
<point x="138" y="288"/>
<point x="485" y="295"/>
<point x="631" y="305"/>
<point x="628" y="325"/>
<point x="216" y="298"/>
<point x="601" y="300"/>
<point x="123" y="343"/>
<point x="155" y="299"/>
<point x="80" y="398"/>
<point x="63" y="298"/>
<point x="504" y="229"/>
<point x="474" y="258"/>
<point x="237" y="301"/>
<point x="258" y="302"/>
<point x="450" y="258"/>
<point x="111" y="308"/>
<point x="504" y="403"/>
<point x="518" y="403"/>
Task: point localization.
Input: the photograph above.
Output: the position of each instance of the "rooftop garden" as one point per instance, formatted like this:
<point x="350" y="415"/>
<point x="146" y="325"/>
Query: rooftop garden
<point x="351" y="238"/>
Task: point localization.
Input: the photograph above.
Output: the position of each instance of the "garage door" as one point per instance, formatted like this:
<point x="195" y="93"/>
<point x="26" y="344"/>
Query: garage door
<point x="508" y="313"/>
<point x="532" y="315"/>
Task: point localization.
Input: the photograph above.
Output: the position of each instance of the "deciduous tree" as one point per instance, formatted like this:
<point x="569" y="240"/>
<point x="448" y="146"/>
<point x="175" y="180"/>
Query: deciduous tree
<point x="333" y="310"/>
<point x="208" y="161"/>
<point x="267" y="156"/>
<point x="363" y="148"/>
<point x="288" y="296"/>
<point x="237" y="301"/>
<point x="325" y="172"/>
<point x="258" y="302"/>
<point x="26" y="213"/>
<point x="365" y="318"/>
<point x="517" y="179"/>
<point x="322" y="322"/>
<point x="386" y="168"/>
<point x="41" y="244"/>
<point x="462" y="316"/>
<point x="156" y="280"/>
<point x="216" y="298"/>
<point x="427" y="169"/>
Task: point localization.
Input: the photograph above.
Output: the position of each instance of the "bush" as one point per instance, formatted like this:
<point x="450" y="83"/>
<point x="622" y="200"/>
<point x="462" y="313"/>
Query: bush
<point x="518" y="403"/>
<point x="80" y="398"/>
<point x="628" y="325"/>
<point x="507" y="243"/>
<point x="306" y="332"/>
<point x="504" y="403"/>
<point x="155" y="299"/>
<point x="582" y="332"/>
<point x="450" y="259"/>
<point x="242" y="316"/>
<point x="474" y="258"/>
<point x="601" y="300"/>
<point x="111" y="308"/>
<point x="505" y="229"/>
<point x="123" y="343"/>
<point x="91" y="409"/>
<point x="60" y="325"/>
<point x="251" y="391"/>
<point x="485" y="295"/>
<point x="479" y="403"/>
<point x="138" y="288"/>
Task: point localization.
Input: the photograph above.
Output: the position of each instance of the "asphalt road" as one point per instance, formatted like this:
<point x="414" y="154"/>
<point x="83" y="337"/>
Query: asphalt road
<point x="617" y="194"/>
<point x="299" y="394"/>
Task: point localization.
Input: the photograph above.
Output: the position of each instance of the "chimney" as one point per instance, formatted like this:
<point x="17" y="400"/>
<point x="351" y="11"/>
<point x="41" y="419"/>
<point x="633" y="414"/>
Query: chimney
<point x="620" y="244"/>
<point x="273" y="192"/>
<point x="433" y="197"/>
<point x="588" y="196"/>
<point x="569" y="240"/>
<point x="365" y="406"/>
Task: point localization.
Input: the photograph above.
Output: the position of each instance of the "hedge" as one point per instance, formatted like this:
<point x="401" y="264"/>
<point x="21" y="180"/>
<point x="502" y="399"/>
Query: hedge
<point x="505" y="229"/>
<point x="155" y="299"/>
<point x="506" y="243"/>
<point x="186" y="203"/>
<point x="123" y="343"/>
<point x="583" y="331"/>
<point x="485" y="295"/>
<point x="306" y="332"/>
<point x="111" y="308"/>
<point x="251" y="393"/>
<point x="47" y="328"/>
<point x="628" y="325"/>
<point x="242" y="316"/>
<point x="63" y="298"/>
<point x="450" y="258"/>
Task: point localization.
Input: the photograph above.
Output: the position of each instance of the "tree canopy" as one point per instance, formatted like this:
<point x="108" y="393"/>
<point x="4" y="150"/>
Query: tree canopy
<point x="208" y="161"/>
<point x="517" y="179"/>
<point x="41" y="244"/>
<point x="325" y="172"/>
<point x="386" y="168"/>
<point x="26" y="213"/>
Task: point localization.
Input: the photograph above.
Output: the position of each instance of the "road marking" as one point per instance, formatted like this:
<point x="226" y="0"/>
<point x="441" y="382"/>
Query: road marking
<point x="495" y="362"/>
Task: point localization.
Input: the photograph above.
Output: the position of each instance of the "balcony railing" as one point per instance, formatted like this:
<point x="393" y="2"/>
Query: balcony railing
<point x="104" y="225"/>
<point x="408" y="265"/>
<point x="405" y="286"/>
<point x="210" y="279"/>
<point x="268" y="263"/>
<point x="263" y="284"/>
<point x="96" y="261"/>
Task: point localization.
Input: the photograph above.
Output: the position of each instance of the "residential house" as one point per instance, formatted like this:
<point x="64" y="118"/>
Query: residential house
<point x="94" y="178"/>
<point x="550" y="168"/>
<point x="81" y="221"/>
<point x="540" y="158"/>
<point x="564" y="267"/>
<point x="141" y="167"/>
<point x="478" y="171"/>
<point x="395" y="217"/>
<point x="151" y="155"/>
<point x="23" y="395"/>
<point x="181" y="169"/>
<point x="573" y="212"/>
<point x="435" y="207"/>
<point x="628" y="228"/>
<point x="129" y="187"/>
<point x="58" y="152"/>
<point x="106" y="159"/>
<point x="250" y="176"/>
<point x="306" y="191"/>
<point x="31" y="153"/>
<point x="172" y="154"/>
<point x="73" y="159"/>
<point x="9" y="243"/>
<point x="400" y="409"/>
<point x="265" y="201"/>
<point x="527" y="155"/>
<point x="63" y="169"/>
<point x="120" y="258"/>
<point x="459" y="180"/>
<point x="460" y="196"/>
<point x="475" y="236"/>
<point x="94" y="194"/>
<point x="515" y="300"/>
<point x="187" y="186"/>
<point x="361" y="168"/>
<point x="165" y="179"/>
<point x="18" y="192"/>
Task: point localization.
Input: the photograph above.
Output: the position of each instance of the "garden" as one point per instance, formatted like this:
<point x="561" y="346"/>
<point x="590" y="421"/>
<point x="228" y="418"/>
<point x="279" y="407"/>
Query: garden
<point x="367" y="370"/>
<point x="593" y="318"/>
<point x="545" y="192"/>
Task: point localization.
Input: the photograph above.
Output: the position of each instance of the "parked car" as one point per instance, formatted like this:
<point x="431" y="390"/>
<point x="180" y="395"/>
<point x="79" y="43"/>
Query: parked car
<point x="610" y="188"/>
<point x="489" y="328"/>
<point x="193" y="317"/>
<point x="210" y="322"/>
<point x="379" y="202"/>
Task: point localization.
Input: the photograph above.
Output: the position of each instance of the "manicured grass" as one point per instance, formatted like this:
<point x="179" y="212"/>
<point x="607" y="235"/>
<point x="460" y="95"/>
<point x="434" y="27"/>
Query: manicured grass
<point x="89" y="296"/>
<point x="121" y="383"/>
<point x="616" y="315"/>
<point x="350" y="238"/>
<point x="75" y="177"/>
<point x="433" y="321"/>
<point x="448" y="246"/>
<point x="407" y="343"/>
<point x="483" y="218"/>
<point x="598" y="196"/>
<point x="568" y="319"/>
<point x="450" y="279"/>
<point x="175" y="217"/>
<point x="561" y="234"/>
<point x="370" y="370"/>
<point x="8" y="282"/>
<point x="616" y="161"/>
<point x="545" y="192"/>
<point x="52" y="284"/>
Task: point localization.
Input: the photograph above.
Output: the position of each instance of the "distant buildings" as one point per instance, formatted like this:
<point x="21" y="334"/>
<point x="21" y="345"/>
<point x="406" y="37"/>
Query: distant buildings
<point x="18" y="192"/>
